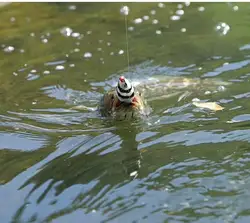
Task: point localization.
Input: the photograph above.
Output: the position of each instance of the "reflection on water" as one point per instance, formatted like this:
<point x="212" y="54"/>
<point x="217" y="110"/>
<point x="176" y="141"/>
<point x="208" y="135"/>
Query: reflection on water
<point x="181" y="164"/>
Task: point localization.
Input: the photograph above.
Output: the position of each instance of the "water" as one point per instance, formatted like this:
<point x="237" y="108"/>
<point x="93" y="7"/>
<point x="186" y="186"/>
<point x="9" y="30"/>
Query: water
<point x="182" y="164"/>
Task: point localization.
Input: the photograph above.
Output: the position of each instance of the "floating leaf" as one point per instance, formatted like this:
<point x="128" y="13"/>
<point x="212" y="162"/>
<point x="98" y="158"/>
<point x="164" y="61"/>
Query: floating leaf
<point x="209" y="105"/>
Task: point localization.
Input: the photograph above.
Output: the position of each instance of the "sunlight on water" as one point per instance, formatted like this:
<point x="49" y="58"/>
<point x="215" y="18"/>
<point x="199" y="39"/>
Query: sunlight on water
<point x="61" y="160"/>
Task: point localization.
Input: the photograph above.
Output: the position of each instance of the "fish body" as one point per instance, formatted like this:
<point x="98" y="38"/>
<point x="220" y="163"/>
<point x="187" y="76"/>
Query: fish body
<point x="124" y="101"/>
<point x="161" y="86"/>
<point x="128" y="100"/>
<point x="111" y="106"/>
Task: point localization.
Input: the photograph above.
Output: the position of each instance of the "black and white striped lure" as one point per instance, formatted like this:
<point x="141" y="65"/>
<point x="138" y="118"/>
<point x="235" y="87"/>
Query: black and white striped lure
<point x="124" y="90"/>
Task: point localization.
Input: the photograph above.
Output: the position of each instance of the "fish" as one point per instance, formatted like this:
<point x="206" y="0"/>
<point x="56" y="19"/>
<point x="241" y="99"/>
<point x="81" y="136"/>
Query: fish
<point x="124" y="102"/>
<point x="129" y="99"/>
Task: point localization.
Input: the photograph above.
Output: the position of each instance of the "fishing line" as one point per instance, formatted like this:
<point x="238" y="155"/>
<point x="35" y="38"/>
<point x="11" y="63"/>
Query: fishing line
<point x="125" y="10"/>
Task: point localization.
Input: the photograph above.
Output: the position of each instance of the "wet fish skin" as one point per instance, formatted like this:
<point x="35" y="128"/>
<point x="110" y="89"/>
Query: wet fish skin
<point x="111" y="106"/>
<point x="161" y="86"/>
<point x="155" y="89"/>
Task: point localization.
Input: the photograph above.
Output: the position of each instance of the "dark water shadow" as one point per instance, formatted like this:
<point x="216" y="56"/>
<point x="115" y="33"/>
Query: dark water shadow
<point x="99" y="163"/>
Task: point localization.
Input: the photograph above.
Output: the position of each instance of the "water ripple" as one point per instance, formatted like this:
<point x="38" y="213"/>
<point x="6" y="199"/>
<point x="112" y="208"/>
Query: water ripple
<point x="190" y="138"/>
<point x="181" y="164"/>
<point x="72" y="96"/>
<point x="61" y="119"/>
<point x="22" y="141"/>
<point x="228" y="67"/>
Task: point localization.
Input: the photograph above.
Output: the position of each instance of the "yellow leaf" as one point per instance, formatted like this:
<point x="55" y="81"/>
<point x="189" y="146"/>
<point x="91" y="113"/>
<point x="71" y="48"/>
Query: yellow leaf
<point x="209" y="105"/>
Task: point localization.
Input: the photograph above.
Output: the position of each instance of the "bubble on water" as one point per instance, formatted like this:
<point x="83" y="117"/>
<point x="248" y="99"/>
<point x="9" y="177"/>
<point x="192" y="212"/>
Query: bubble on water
<point x="46" y="72"/>
<point x="33" y="71"/>
<point x="108" y="44"/>
<point x="152" y="12"/>
<point x="15" y="74"/>
<point x="76" y="50"/>
<point x="179" y="12"/>
<point x="161" y="5"/>
<point x="66" y="31"/>
<point x="9" y="49"/>
<point x="108" y="33"/>
<point x="100" y="41"/>
<point x="138" y="21"/>
<point x="145" y="17"/>
<point x="207" y="92"/>
<point x="111" y="53"/>
<point x="89" y="32"/>
<point x="222" y="28"/>
<point x="121" y="52"/>
<point x="195" y="100"/>
<point x="34" y="102"/>
<point x="99" y="49"/>
<point x="131" y="28"/>
<point x="183" y="30"/>
<point x="87" y="55"/>
<point x="72" y="7"/>
<point x="175" y="17"/>
<point x="199" y="68"/>
<point x="166" y="189"/>
<point x="44" y="40"/>
<point x="124" y="10"/>
<point x="75" y="35"/>
<point x="31" y="77"/>
<point x="155" y="21"/>
<point x="32" y="34"/>
<point x="221" y="88"/>
<point x="201" y="9"/>
<point x="134" y="173"/>
<point x="235" y="8"/>
<point x="59" y="67"/>
<point x="72" y="65"/>
<point x="12" y="19"/>
<point x="179" y="6"/>
<point x="158" y="32"/>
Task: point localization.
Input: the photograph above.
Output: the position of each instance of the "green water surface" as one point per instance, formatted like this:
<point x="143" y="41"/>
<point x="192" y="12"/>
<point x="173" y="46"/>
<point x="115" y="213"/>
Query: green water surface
<point x="182" y="164"/>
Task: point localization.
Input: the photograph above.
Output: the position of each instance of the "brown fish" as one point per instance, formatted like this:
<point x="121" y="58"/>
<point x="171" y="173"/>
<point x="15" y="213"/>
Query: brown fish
<point x="123" y="102"/>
